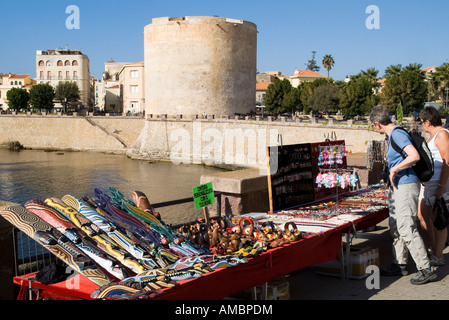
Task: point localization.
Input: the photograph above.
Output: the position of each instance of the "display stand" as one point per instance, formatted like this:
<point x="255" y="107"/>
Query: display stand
<point x="292" y="174"/>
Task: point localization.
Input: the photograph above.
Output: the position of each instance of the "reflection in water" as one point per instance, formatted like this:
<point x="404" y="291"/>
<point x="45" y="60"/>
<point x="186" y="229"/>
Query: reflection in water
<point x="35" y="174"/>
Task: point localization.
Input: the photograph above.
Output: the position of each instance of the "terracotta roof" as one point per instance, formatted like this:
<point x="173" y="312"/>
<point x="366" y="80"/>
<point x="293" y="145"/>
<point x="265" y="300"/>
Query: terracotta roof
<point x="13" y="75"/>
<point x="114" y="87"/>
<point x="429" y="68"/>
<point x="307" y="73"/>
<point x="262" y="85"/>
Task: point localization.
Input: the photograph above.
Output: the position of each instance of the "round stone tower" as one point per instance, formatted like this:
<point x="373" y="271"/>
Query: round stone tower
<point x="200" y="65"/>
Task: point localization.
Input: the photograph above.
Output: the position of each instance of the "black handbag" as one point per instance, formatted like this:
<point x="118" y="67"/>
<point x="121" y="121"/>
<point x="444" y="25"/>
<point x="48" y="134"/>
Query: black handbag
<point x="442" y="214"/>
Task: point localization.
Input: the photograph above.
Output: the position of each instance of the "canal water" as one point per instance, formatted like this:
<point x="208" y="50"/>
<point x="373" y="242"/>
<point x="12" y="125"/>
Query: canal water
<point x="37" y="174"/>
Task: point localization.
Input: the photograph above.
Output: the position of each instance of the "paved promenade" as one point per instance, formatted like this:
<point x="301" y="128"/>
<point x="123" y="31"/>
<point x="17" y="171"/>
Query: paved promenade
<point x="306" y="284"/>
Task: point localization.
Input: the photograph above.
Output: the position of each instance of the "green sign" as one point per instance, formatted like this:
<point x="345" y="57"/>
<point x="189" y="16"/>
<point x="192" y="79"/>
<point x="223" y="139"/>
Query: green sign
<point x="203" y="195"/>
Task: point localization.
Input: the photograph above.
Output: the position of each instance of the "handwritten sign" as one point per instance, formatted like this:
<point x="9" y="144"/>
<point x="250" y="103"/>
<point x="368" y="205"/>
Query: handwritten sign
<point x="203" y="195"/>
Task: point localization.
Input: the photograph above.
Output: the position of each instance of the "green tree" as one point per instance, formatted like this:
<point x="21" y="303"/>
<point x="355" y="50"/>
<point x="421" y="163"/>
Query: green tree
<point x="311" y="64"/>
<point x="325" y="96"/>
<point x="292" y="101"/>
<point x="66" y="92"/>
<point x="357" y="96"/>
<point x="328" y="63"/>
<point x="41" y="96"/>
<point x="275" y="95"/>
<point x="307" y="90"/>
<point x="18" y="98"/>
<point x="406" y="86"/>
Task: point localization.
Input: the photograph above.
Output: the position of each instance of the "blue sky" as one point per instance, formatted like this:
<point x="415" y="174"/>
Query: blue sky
<point x="412" y="31"/>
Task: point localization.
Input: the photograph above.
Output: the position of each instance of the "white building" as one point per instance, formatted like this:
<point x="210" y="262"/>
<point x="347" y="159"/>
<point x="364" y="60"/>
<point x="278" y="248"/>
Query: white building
<point x="12" y="80"/>
<point x="55" y="66"/>
<point x="132" y="82"/>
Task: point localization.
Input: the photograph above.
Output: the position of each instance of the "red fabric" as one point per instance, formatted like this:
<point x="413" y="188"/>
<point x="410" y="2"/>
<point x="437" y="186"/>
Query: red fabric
<point x="76" y="288"/>
<point x="224" y="282"/>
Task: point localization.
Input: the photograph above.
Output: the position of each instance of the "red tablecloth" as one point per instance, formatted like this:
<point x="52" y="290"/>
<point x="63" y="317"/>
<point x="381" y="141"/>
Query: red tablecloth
<point x="227" y="281"/>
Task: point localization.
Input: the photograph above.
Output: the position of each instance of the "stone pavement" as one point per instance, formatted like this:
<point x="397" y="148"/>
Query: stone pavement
<point x="306" y="284"/>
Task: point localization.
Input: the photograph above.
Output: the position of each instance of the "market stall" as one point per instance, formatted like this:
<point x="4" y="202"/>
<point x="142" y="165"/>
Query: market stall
<point x="120" y="248"/>
<point x="322" y="225"/>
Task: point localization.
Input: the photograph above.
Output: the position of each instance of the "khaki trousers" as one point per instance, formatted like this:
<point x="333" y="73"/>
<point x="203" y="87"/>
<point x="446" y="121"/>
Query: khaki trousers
<point x="403" y="206"/>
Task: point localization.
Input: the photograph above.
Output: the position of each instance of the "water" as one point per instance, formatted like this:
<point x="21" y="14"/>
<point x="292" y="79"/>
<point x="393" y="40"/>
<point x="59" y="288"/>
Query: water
<point x="36" y="174"/>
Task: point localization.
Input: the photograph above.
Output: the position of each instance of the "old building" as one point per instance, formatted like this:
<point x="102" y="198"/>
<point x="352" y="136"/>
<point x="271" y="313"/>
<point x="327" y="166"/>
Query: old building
<point x="55" y="66"/>
<point x="198" y="65"/>
<point x="12" y="80"/>
<point x="304" y="76"/>
<point x="132" y="80"/>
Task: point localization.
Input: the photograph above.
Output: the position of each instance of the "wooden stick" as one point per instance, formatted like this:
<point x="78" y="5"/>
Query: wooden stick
<point x="206" y="214"/>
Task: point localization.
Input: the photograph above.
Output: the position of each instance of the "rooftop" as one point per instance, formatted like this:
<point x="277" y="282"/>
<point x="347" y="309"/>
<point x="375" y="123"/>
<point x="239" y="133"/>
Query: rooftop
<point x="59" y="51"/>
<point x="262" y="85"/>
<point x="16" y="76"/>
<point x="307" y="73"/>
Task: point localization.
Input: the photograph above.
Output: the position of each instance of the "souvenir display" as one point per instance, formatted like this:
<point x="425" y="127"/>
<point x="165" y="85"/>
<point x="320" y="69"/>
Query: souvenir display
<point x="124" y="246"/>
<point x="323" y="216"/>
<point x="129" y="252"/>
<point x="333" y="179"/>
<point x="331" y="155"/>
<point x="59" y="245"/>
<point x="376" y="153"/>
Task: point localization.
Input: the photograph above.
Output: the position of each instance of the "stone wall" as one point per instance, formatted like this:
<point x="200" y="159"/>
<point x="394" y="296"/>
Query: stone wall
<point x="107" y="134"/>
<point x="236" y="143"/>
<point x="222" y="142"/>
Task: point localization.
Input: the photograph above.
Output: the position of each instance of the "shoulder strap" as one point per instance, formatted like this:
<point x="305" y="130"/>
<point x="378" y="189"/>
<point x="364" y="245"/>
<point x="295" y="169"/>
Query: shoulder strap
<point x="394" y="145"/>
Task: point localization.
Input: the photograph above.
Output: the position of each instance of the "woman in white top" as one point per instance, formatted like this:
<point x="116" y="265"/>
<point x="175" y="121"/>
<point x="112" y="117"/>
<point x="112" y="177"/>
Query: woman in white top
<point x="437" y="186"/>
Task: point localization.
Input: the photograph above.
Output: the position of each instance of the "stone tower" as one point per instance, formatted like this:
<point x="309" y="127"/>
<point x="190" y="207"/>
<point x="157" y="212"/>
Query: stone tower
<point x="200" y="65"/>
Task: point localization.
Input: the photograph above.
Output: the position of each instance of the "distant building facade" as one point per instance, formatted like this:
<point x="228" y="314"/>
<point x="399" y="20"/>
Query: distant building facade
<point x="12" y="80"/>
<point x="132" y="81"/>
<point x="55" y="66"/>
<point x="304" y="76"/>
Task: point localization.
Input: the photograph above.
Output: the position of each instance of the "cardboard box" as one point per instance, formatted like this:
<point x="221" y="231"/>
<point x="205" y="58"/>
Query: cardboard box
<point x="361" y="258"/>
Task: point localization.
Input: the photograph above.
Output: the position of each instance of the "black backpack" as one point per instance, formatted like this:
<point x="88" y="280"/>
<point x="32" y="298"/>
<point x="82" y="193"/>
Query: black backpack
<point x="424" y="167"/>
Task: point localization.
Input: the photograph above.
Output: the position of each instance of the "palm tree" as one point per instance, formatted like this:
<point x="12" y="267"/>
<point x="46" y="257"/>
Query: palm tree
<point x="328" y="63"/>
<point x="440" y="80"/>
<point x="393" y="70"/>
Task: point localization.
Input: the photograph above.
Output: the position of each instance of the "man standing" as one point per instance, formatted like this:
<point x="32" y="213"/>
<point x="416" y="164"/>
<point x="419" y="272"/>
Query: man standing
<point x="403" y="201"/>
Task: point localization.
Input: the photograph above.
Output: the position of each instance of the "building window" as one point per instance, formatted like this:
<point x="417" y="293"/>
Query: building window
<point x="41" y="63"/>
<point x="59" y="75"/>
<point x="134" y="73"/>
<point x="134" y="89"/>
<point x="48" y="64"/>
<point x="41" y="75"/>
<point x="67" y="74"/>
<point x="67" y="63"/>
<point x="48" y="75"/>
<point x="75" y="75"/>
<point x="74" y="63"/>
<point x="59" y="64"/>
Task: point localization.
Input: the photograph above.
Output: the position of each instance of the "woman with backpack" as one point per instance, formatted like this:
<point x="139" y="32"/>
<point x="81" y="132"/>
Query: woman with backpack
<point x="437" y="186"/>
